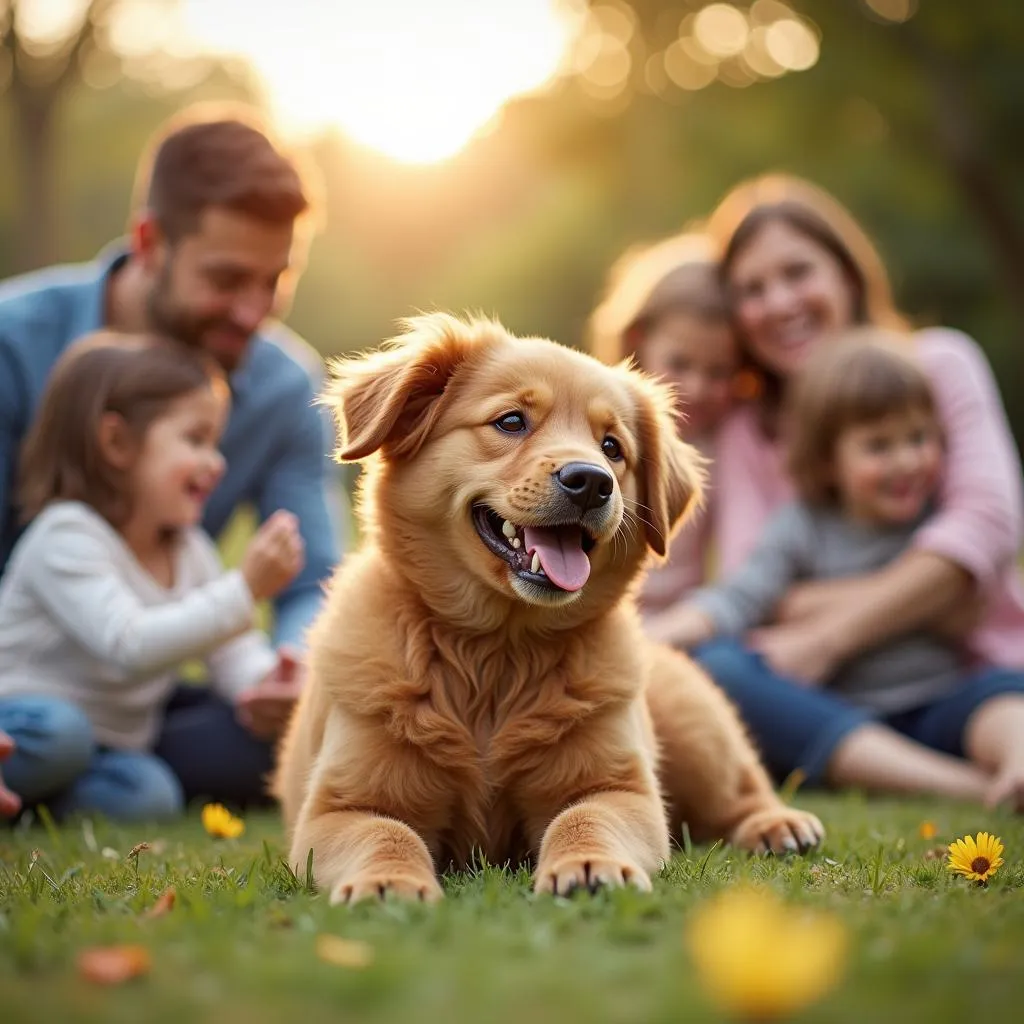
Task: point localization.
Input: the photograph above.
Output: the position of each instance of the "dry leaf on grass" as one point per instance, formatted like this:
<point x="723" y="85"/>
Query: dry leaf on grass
<point x="113" y="965"/>
<point x="343" y="952"/>
<point x="164" y="905"/>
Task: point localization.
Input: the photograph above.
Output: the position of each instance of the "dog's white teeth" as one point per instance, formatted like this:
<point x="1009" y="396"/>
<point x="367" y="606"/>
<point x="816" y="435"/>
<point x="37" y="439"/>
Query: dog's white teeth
<point x="516" y="543"/>
<point x="508" y="529"/>
<point x="535" y="564"/>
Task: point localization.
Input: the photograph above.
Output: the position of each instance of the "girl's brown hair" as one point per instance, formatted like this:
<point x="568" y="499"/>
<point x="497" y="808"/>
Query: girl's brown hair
<point x="811" y="211"/>
<point x="864" y="375"/>
<point x="135" y="376"/>
<point x="677" y="274"/>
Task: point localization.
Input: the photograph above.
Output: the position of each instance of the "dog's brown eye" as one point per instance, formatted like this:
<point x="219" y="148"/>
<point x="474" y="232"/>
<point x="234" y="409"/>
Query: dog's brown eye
<point x="611" y="448"/>
<point x="511" y="423"/>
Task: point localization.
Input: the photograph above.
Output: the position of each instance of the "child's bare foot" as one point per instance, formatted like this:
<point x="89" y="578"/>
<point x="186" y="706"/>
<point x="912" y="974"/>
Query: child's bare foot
<point x="10" y="803"/>
<point x="1007" y="787"/>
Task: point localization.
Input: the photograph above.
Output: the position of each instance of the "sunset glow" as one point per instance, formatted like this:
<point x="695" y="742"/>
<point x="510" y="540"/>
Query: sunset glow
<point x="413" y="80"/>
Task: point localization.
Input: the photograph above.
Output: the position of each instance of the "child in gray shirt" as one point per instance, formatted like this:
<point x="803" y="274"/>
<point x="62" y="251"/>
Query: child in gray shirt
<point x="866" y="455"/>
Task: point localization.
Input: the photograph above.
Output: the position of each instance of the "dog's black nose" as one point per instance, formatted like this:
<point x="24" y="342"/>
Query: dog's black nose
<point x="587" y="486"/>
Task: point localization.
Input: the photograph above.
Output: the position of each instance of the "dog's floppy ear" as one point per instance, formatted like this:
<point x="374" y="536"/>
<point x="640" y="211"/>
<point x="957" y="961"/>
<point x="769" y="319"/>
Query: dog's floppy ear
<point x="672" y="473"/>
<point x="389" y="400"/>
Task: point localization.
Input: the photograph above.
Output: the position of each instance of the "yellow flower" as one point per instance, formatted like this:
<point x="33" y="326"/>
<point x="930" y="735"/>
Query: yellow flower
<point x="221" y="823"/>
<point x="761" y="959"/>
<point x="333" y="949"/>
<point x="927" y="830"/>
<point x="976" y="859"/>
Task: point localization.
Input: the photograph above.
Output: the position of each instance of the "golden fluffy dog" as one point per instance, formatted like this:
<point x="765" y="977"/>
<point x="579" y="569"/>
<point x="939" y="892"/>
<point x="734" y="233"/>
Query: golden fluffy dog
<point x="478" y="676"/>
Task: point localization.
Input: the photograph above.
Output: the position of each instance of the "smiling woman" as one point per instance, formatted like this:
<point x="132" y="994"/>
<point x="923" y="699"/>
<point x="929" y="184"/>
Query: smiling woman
<point x="414" y="81"/>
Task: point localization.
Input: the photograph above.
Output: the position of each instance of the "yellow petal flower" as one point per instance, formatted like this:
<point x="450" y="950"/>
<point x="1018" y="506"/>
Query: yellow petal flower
<point x="927" y="830"/>
<point x="761" y="959"/>
<point x="976" y="858"/>
<point x="333" y="949"/>
<point x="221" y="823"/>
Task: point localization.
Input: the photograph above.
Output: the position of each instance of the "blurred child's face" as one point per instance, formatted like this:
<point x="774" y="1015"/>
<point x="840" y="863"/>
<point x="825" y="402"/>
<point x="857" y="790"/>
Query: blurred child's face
<point x="888" y="469"/>
<point x="179" y="464"/>
<point x="700" y="358"/>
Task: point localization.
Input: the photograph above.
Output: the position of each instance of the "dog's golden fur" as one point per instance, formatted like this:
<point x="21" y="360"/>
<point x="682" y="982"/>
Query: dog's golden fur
<point x="452" y="706"/>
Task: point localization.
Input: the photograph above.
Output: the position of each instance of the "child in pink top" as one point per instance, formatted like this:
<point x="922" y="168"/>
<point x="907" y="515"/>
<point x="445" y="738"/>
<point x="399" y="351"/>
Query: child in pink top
<point x="798" y="269"/>
<point x="664" y="306"/>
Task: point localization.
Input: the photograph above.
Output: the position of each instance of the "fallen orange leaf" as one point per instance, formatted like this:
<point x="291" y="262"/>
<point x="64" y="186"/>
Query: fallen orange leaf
<point x="164" y="905"/>
<point x="113" y="965"/>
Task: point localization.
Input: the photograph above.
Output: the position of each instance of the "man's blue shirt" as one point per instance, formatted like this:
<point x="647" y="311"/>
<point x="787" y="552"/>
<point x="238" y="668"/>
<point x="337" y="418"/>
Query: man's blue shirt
<point x="276" y="442"/>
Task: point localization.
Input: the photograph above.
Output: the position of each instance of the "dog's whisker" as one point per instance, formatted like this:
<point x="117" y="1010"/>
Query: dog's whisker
<point x="637" y="503"/>
<point x="636" y="515"/>
<point x="628" y="520"/>
<point x="637" y="518"/>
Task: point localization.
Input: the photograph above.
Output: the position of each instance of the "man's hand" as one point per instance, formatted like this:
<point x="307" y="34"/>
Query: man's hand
<point x="801" y="653"/>
<point x="10" y="803"/>
<point x="265" y="708"/>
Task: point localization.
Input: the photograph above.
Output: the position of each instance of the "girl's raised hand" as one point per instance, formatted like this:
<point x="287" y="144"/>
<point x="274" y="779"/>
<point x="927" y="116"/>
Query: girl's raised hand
<point x="274" y="557"/>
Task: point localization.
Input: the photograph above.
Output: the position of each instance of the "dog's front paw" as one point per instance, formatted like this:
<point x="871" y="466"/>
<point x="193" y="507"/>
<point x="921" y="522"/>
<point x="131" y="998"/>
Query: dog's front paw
<point x="567" y="874"/>
<point x="778" y="830"/>
<point x="373" y="885"/>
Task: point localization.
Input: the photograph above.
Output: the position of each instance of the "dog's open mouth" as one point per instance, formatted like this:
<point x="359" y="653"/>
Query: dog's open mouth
<point x="552" y="556"/>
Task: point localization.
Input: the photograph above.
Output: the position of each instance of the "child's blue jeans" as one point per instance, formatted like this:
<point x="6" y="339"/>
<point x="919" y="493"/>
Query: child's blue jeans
<point x="798" y="727"/>
<point x="58" y="763"/>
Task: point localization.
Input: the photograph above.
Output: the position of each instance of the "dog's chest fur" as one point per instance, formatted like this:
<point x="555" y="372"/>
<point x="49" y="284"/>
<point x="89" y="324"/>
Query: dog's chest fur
<point x="489" y="717"/>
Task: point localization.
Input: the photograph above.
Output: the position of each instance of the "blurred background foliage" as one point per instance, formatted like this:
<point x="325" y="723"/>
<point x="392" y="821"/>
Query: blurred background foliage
<point x="910" y="111"/>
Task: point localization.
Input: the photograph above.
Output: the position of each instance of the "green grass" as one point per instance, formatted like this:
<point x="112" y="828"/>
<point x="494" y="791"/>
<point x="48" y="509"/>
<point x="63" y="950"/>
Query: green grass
<point x="239" y="944"/>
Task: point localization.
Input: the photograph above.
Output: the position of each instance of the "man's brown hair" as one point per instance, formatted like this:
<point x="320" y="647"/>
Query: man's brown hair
<point x="135" y="376"/>
<point x="859" y="377"/>
<point x="224" y="157"/>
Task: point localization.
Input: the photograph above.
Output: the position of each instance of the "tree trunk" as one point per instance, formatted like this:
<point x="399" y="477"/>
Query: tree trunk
<point x="34" y="110"/>
<point x="961" y="144"/>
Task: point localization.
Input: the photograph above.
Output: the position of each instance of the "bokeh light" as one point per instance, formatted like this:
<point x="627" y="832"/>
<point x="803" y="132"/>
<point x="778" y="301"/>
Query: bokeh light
<point x="893" y="10"/>
<point x="791" y="43"/>
<point x="686" y="72"/>
<point x="721" y="29"/>
<point x="757" y="57"/>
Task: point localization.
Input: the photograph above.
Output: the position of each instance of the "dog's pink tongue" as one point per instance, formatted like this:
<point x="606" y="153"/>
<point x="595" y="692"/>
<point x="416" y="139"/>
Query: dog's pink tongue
<point x="561" y="554"/>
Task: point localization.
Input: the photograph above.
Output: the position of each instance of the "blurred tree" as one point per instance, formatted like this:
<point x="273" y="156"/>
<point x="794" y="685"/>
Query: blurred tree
<point x="966" y="65"/>
<point x="526" y="220"/>
<point x="46" y="50"/>
<point x="908" y="111"/>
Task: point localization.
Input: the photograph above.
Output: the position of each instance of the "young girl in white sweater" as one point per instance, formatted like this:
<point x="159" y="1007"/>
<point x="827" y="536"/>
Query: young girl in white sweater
<point x="114" y="584"/>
